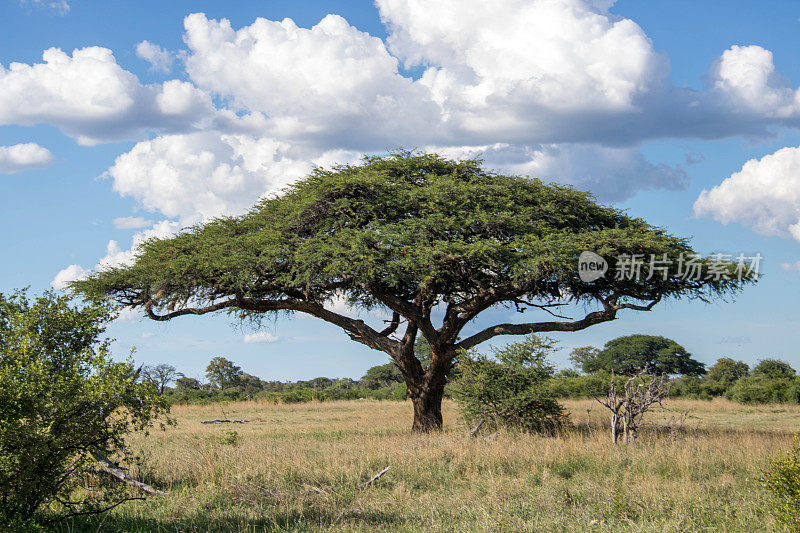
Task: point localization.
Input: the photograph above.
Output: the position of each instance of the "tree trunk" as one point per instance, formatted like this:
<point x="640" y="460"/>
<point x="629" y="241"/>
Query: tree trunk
<point x="427" y="408"/>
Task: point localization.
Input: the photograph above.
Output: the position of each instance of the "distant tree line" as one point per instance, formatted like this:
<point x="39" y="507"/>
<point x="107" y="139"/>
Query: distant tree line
<point x="770" y="381"/>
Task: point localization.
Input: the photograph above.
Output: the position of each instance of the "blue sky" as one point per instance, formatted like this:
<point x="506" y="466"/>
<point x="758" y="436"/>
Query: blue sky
<point x="153" y="116"/>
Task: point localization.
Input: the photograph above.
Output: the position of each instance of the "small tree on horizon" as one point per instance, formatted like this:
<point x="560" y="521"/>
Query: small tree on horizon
<point x="408" y="234"/>
<point x="652" y="354"/>
<point x="774" y="369"/>
<point x="160" y="375"/>
<point x="223" y="374"/>
<point x="581" y="355"/>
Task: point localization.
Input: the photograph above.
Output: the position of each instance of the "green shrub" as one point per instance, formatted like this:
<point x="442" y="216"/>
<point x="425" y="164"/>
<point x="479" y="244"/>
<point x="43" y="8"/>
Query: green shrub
<point x="774" y="369"/>
<point x="511" y="391"/>
<point x="63" y="403"/>
<point x="230" y="438"/>
<point x="759" y="388"/>
<point x="692" y="387"/>
<point x="568" y="386"/>
<point x="781" y="478"/>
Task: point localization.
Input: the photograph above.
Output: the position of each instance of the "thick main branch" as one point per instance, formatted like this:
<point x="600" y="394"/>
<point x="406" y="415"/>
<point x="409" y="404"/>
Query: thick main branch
<point x="537" y="327"/>
<point x="357" y="329"/>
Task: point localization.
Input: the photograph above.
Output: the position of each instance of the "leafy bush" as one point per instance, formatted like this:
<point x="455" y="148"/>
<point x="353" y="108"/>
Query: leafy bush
<point x="759" y="388"/>
<point x="781" y="478"/>
<point x="511" y="391"/>
<point x="774" y="369"/>
<point x="63" y="403"/>
<point x="569" y="386"/>
<point x="693" y="387"/>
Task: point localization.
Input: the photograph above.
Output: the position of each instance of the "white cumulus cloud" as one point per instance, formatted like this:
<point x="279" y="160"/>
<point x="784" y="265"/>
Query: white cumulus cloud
<point x="199" y="176"/>
<point x="562" y="54"/>
<point x="160" y="59"/>
<point x="764" y="195"/>
<point x="746" y="75"/>
<point x="131" y="222"/>
<point x="91" y="98"/>
<point x="331" y="82"/>
<point x="260" y="337"/>
<point x="19" y="157"/>
<point x="65" y="276"/>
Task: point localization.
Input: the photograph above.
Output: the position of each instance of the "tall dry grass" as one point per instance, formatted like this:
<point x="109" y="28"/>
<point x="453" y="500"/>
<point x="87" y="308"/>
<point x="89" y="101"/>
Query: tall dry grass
<point x="302" y="468"/>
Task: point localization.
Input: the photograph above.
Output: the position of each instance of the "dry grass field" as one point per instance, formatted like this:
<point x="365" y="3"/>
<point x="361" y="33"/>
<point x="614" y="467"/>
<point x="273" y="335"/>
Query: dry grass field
<point x="302" y="467"/>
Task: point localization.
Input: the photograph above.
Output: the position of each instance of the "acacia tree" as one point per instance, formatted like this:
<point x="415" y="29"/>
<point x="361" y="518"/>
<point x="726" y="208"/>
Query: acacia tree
<point x="222" y="373"/>
<point x="632" y="354"/>
<point x="160" y="375"/>
<point x="434" y="242"/>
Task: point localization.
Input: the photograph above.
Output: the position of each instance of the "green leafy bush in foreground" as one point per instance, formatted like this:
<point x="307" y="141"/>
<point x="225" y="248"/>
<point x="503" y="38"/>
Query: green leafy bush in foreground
<point x="513" y="390"/>
<point x="63" y="402"/>
<point x="782" y="480"/>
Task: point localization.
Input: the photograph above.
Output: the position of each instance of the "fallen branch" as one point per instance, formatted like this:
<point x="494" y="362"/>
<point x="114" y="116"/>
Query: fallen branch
<point x="117" y="472"/>
<point x="477" y="428"/>
<point x="376" y="476"/>
<point x="312" y="488"/>
<point x="224" y="421"/>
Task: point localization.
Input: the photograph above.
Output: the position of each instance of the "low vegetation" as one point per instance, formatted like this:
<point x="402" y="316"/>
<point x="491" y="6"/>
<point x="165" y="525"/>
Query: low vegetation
<point x="65" y="405"/>
<point x="782" y="480"/>
<point x="510" y="389"/>
<point x="770" y="381"/>
<point x="302" y="467"/>
<point x="287" y="461"/>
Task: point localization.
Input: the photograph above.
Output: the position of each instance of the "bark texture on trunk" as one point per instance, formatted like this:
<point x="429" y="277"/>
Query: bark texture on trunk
<point x="428" y="408"/>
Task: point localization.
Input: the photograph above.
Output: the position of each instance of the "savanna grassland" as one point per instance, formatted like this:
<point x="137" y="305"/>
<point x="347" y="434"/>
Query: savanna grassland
<point x="302" y="467"/>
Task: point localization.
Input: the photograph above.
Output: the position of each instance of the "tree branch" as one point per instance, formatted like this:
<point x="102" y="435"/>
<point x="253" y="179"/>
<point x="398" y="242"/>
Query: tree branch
<point x="393" y="325"/>
<point x="537" y="327"/>
<point x="357" y="329"/>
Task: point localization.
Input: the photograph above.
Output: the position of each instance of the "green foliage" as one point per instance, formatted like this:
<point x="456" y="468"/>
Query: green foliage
<point x="249" y="385"/>
<point x="381" y="376"/>
<point x="223" y="374"/>
<point x="62" y="401"/>
<point x="185" y="384"/>
<point x="512" y="390"/>
<point x="631" y="354"/>
<point x="402" y="225"/>
<point x="230" y="438"/>
<point x="726" y="371"/>
<point x="570" y="386"/>
<point x="781" y="478"/>
<point x="582" y="356"/>
<point x="774" y="369"/>
<point x="694" y="388"/>
<point x="760" y="388"/>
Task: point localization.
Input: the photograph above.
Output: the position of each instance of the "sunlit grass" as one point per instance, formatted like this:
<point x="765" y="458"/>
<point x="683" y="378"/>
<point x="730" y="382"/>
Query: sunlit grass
<point x="302" y="467"/>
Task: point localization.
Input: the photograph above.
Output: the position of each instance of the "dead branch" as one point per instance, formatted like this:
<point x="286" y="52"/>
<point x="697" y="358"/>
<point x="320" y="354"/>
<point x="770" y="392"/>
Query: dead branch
<point x="312" y="488"/>
<point x="376" y="476"/>
<point x="477" y="428"/>
<point x="640" y="395"/>
<point x="105" y="465"/>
